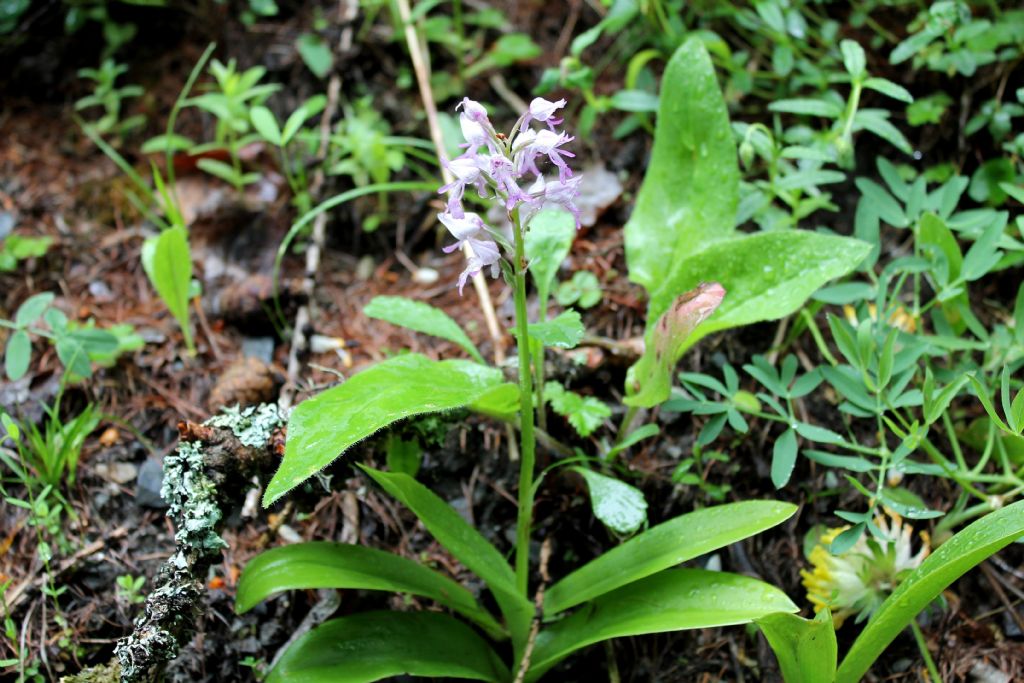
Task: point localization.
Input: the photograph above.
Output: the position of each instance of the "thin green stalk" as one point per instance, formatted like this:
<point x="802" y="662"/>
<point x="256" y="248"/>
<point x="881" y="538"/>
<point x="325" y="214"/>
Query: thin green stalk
<point x="922" y="645"/>
<point x="528" y="439"/>
<point x="819" y="340"/>
<point x="538" y="370"/>
<point x="627" y="420"/>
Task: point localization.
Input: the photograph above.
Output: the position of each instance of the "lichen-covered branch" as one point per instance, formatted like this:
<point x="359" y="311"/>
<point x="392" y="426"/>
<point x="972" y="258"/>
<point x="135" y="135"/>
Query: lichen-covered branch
<point x="207" y="474"/>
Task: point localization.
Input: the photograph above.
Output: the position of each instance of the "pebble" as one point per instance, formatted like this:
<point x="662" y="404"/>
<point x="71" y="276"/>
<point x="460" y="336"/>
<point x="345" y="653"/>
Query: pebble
<point x="147" y="489"/>
<point x="118" y="472"/>
<point x="288" y="534"/>
<point x="365" y="267"/>
<point x="259" y="347"/>
<point x="425" y="276"/>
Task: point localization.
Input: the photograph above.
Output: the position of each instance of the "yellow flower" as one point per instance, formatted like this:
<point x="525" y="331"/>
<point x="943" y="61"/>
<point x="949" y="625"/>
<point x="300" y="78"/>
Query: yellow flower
<point x="900" y="318"/>
<point x="857" y="581"/>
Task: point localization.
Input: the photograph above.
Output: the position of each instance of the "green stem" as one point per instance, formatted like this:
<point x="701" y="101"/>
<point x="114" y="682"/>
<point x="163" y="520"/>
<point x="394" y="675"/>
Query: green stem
<point x="922" y="645"/>
<point x="528" y="440"/>
<point x="627" y="420"/>
<point x="538" y="370"/>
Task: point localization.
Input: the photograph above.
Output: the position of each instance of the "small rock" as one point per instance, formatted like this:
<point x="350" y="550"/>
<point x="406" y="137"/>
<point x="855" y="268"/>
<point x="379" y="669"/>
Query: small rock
<point x="117" y="472"/>
<point x="259" y="347"/>
<point x="100" y="291"/>
<point x="365" y="267"/>
<point x="986" y="673"/>
<point x="7" y="222"/>
<point x="288" y="534"/>
<point x="147" y="488"/>
<point x="425" y="276"/>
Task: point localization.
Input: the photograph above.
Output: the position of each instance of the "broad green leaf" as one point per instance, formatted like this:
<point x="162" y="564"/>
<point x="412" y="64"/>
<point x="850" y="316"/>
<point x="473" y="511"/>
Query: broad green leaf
<point x="18" y="354"/>
<point x="682" y="231"/>
<point x="649" y="381"/>
<point x="671" y="600"/>
<point x="691" y="189"/>
<point x="371" y="646"/>
<point x="321" y="428"/>
<point x="321" y="564"/>
<point x="806" y="649"/>
<point x="950" y="561"/>
<point x="265" y="123"/>
<point x="549" y="237"/>
<point x="170" y="270"/>
<point x="501" y="402"/>
<point x="564" y="331"/>
<point x="620" y="507"/>
<point x="665" y="545"/>
<point x="32" y="308"/>
<point x="421" y="317"/>
<point x="466" y="544"/>
<point x="767" y="275"/>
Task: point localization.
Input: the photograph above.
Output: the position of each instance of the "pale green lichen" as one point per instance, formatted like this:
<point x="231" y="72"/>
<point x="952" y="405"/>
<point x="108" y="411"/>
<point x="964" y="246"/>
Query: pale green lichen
<point x="192" y="497"/>
<point x="253" y="425"/>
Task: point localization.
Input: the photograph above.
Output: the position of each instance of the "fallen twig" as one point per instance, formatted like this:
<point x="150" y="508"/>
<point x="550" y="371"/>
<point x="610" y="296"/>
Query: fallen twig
<point x="208" y="473"/>
<point x="422" y="69"/>
<point x="300" y="341"/>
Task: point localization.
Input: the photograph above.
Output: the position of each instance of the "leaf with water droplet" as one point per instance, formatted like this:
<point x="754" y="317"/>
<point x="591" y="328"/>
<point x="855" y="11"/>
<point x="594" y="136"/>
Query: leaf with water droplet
<point x="949" y="562"/>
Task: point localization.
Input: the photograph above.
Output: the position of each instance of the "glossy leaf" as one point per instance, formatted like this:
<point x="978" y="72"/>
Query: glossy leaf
<point x="321" y="428"/>
<point x="321" y="564"/>
<point x="806" y="649"/>
<point x="620" y="507"/>
<point x="465" y="543"/>
<point x="371" y="646"/>
<point x="949" y="562"/>
<point x="691" y="189"/>
<point x="649" y="381"/>
<point x="768" y="275"/>
<point x="421" y="317"/>
<point x="564" y="331"/>
<point x="168" y="263"/>
<point x="682" y="231"/>
<point x="671" y="600"/>
<point x="665" y="545"/>
<point x="548" y="240"/>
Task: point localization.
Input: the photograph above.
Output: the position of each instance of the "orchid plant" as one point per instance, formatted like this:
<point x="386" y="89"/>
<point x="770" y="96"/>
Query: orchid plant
<point x="629" y="590"/>
<point x="681" y="233"/>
